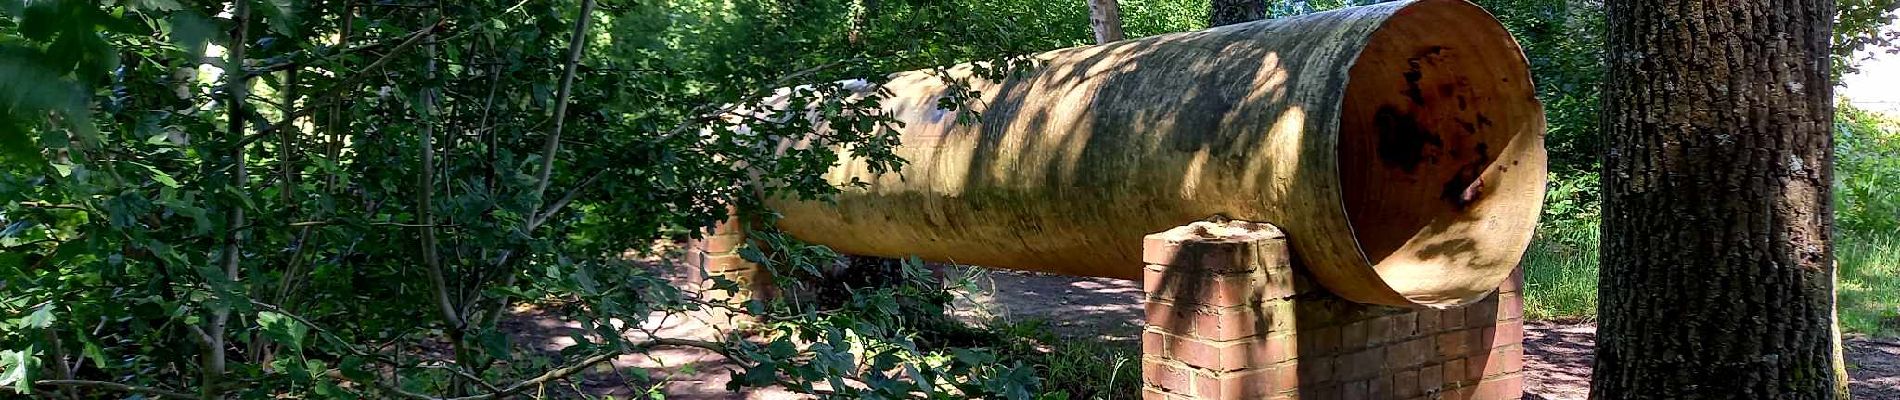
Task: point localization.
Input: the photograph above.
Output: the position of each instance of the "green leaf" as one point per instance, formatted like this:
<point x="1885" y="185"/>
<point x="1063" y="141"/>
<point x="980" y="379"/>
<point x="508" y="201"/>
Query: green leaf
<point x="156" y="5"/>
<point x="41" y="318"/>
<point x="159" y="176"/>
<point x="191" y="31"/>
<point x="95" y="353"/>
<point x="282" y="15"/>
<point x="16" y="145"/>
<point x="283" y="329"/>
<point x="17" y="368"/>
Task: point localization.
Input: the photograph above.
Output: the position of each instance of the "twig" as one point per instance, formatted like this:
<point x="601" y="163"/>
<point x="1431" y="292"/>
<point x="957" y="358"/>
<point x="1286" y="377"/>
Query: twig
<point x="542" y="217"/>
<point x="238" y="84"/>
<point x="346" y="86"/>
<point x="576" y="44"/>
<point x="115" y="386"/>
<point x="41" y="204"/>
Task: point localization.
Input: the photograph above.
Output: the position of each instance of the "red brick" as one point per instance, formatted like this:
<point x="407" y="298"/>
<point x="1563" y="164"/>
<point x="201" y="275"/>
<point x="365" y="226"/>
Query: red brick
<point x="1504" y="360"/>
<point x="1454" y="372"/>
<point x="1154" y="393"/>
<point x="1319" y="342"/>
<point x="1359" y="365"/>
<point x="1454" y="343"/>
<point x="1208" y="256"/>
<point x="1354" y="390"/>
<point x="1451" y="318"/>
<point x="1400" y="326"/>
<point x="1380" y="388"/>
<point x="1280" y="315"/>
<point x="1428" y="320"/>
<point x="1248" y="384"/>
<point x="1315" y="371"/>
<point x="717" y="263"/>
<point x="1405" y="384"/>
<point x="1510" y="307"/>
<point x="1475" y="366"/>
<point x="1166" y="376"/>
<point x="1509" y="387"/>
<point x="1154" y="343"/>
<point x="730" y="224"/>
<point x="1224" y="323"/>
<point x="723" y="243"/>
<point x="1282" y="282"/>
<point x="1191" y="288"/>
<point x="1478" y="341"/>
<point x="1483" y="313"/>
<point x="1430" y="379"/>
<point x="1461" y="393"/>
<point x="1513" y="283"/>
<point x="1320" y="392"/>
<point x="1283" y="378"/>
<point x="1252" y="352"/>
<point x="1506" y="334"/>
<point x="1353" y="335"/>
<point x="1408" y="353"/>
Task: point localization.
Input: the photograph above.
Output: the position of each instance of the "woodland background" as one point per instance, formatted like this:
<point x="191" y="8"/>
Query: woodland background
<point x="342" y="198"/>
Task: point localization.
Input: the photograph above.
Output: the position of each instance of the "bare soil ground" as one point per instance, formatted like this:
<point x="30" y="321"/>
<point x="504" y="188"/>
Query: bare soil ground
<point x="1557" y="356"/>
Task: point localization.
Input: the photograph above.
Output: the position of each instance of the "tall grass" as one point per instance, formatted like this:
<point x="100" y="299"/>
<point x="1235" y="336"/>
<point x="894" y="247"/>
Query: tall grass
<point x="1869" y="283"/>
<point x="1560" y="273"/>
<point x="1560" y="278"/>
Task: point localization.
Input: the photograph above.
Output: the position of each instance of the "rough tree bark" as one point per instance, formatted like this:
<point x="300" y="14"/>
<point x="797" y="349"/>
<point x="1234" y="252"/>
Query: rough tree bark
<point x="1229" y="12"/>
<point x="1105" y="17"/>
<point x="1717" y="254"/>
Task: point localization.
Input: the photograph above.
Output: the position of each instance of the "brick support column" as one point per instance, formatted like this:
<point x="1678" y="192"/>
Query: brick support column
<point x="716" y="254"/>
<point x="1229" y="316"/>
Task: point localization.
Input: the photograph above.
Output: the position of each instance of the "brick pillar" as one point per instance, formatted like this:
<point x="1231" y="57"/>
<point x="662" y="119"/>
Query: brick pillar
<point x="1230" y="317"/>
<point x="716" y="254"/>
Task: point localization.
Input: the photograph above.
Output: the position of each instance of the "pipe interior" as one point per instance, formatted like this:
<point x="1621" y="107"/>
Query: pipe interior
<point x="1438" y="111"/>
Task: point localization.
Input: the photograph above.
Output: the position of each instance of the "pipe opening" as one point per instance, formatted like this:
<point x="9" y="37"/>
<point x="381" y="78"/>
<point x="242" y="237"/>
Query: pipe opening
<point x="1440" y="153"/>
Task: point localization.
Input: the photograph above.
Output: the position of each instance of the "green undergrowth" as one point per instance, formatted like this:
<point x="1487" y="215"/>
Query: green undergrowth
<point x="1070" y="367"/>
<point x="1560" y="276"/>
<point x="1869" y="284"/>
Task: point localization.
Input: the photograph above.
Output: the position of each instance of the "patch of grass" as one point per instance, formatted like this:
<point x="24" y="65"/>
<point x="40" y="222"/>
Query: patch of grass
<point x="1560" y="273"/>
<point x="1082" y="368"/>
<point x="1560" y="278"/>
<point x="1869" y="283"/>
<point x="1070" y="368"/>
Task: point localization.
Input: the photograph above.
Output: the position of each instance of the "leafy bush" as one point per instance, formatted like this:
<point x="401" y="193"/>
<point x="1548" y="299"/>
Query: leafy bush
<point x="1866" y="170"/>
<point x="341" y="198"/>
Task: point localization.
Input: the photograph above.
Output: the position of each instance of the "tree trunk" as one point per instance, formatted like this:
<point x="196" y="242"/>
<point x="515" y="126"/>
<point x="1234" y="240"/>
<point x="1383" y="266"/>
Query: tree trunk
<point x="1229" y="12"/>
<point x="1717" y="252"/>
<point x="1105" y="16"/>
<point x="861" y="16"/>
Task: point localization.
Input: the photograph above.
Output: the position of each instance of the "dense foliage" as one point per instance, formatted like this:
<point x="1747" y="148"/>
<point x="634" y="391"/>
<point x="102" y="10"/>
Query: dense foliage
<point x="296" y="197"/>
<point x="342" y="198"/>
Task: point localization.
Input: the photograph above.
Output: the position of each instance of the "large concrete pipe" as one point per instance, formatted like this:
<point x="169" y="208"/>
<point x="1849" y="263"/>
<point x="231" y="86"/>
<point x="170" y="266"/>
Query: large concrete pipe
<point x="1399" y="145"/>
